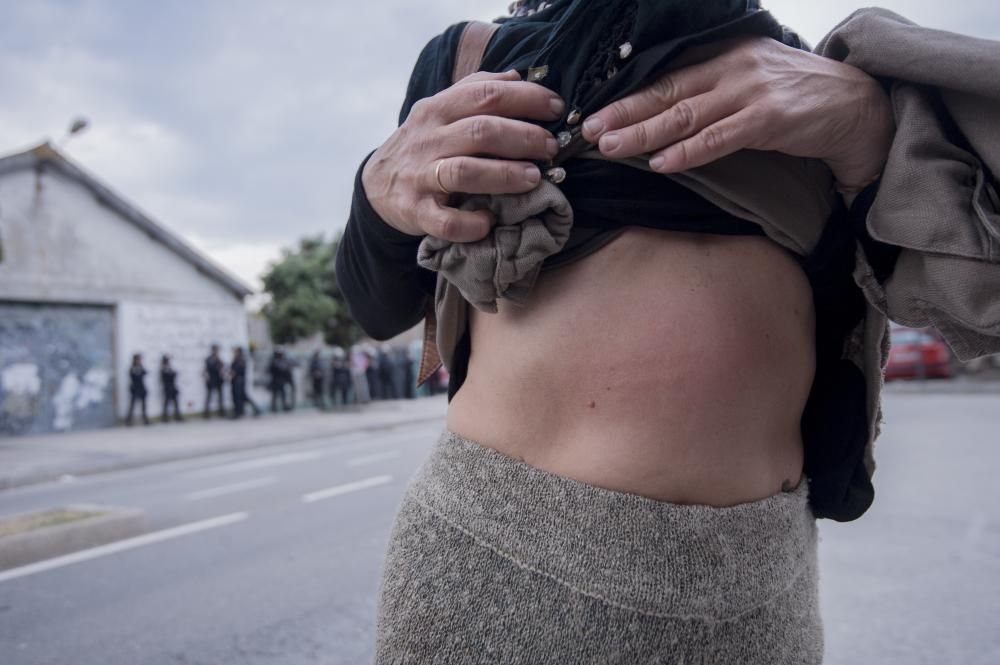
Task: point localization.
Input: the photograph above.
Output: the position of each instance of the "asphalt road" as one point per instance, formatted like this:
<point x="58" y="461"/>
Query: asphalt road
<point x="272" y="556"/>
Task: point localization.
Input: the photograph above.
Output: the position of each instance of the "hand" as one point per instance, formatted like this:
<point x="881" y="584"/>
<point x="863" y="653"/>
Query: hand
<point x="753" y="93"/>
<point x="467" y="137"/>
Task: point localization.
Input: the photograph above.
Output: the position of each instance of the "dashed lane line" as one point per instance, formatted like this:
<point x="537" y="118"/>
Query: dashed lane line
<point x="344" y="447"/>
<point x="346" y="488"/>
<point x="230" y="489"/>
<point x="121" y="546"/>
<point x="262" y="462"/>
<point x="370" y="459"/>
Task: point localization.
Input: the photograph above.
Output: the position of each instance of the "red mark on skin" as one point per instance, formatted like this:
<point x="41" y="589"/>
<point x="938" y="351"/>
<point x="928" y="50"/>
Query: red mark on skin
<point x="591" y="404"/>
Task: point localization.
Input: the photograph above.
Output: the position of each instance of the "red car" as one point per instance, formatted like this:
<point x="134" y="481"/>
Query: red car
<point x="918" y="354"/>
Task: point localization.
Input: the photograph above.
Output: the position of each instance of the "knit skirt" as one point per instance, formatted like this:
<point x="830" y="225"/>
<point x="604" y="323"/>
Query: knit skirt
<point x="494" y="561"/>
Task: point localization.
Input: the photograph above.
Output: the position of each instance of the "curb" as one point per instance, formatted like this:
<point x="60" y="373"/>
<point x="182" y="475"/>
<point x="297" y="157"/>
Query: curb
<point x="943" y="387"/>
<point x="52" y="541"/>
<point x="7" y="483"/>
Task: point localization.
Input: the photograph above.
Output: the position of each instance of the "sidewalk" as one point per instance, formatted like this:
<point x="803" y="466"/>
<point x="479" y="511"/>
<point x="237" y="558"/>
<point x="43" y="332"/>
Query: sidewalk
<point x="32" y="459"/>
<point x="970" y="384"/>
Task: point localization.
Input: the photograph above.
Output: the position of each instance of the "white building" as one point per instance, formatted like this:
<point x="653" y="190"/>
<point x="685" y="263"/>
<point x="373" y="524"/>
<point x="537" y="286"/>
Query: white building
<point x="86" y="280"/>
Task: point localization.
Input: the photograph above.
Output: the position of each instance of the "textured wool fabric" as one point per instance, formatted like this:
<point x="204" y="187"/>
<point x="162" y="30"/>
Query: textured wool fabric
<point x="494" y="561"/>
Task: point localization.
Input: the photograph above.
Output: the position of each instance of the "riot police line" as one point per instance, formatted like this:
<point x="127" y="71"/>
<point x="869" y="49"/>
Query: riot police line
<point x="332" y="379"/>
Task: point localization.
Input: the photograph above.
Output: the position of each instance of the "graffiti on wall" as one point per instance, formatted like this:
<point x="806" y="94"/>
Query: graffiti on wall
<point x="56" y="368"/>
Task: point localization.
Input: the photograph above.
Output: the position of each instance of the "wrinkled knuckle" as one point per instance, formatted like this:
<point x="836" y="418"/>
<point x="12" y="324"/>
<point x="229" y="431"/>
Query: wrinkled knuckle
<point x="621" y="113"/>
<point x="480" y="131"/>
<point x="664" y="88"/>
<point x="683" y="153"/>
<point x="420" y="110"/>
<point x="685" y="116"/>
<point x="642" y="136"/>
<point x="487" y="95"/>
<point x="714" y="139"/>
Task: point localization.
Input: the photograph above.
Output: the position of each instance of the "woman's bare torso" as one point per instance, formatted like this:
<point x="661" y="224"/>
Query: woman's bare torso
<point x="671" y="365"/>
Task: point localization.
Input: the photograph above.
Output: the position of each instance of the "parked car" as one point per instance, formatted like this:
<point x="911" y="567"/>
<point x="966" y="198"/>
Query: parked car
<point x="918" y="354"/>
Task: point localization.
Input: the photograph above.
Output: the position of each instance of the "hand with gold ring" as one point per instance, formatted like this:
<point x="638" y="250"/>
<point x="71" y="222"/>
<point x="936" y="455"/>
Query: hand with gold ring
<point x="437" y="177"/>
<point x="470" y="138"/>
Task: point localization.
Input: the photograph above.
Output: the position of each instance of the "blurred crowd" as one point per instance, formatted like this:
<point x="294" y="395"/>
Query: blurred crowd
<point x="340" y="378"/>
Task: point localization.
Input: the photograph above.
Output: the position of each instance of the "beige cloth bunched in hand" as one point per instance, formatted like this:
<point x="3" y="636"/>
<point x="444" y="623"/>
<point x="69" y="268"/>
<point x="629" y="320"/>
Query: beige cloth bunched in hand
<point x="505" y="264"/>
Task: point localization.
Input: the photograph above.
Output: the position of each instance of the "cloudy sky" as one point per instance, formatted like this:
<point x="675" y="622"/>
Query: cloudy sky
<point x="239" y="125"/>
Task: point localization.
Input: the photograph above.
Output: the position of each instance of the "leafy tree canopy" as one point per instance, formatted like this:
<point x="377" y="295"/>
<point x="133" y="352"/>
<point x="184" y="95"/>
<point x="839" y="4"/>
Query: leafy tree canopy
<point x="305" y="298"/>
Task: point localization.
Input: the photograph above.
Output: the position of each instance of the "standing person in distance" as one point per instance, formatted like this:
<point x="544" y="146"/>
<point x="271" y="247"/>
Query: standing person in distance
<point x="214" y="380"/>
<point x="137" y="388"/>
<point x="340" y="383"/>
<point x="386" y="372"/>
<point x="238" y="384"/>
<point x="278" y="372"/>
<point x="168" y="384"/>
<point x="316" y="376"/>
<point x="359" y="374"/>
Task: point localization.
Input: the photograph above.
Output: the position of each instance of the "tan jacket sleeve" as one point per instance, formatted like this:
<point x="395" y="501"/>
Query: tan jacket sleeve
<point x="938" y="195"/>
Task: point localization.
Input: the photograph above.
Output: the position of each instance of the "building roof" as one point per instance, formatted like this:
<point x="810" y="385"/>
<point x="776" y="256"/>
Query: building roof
<point x="46" y="156"/>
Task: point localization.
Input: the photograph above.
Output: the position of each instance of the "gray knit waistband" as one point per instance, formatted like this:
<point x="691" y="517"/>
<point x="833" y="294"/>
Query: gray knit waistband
<point x="650" y="556"/>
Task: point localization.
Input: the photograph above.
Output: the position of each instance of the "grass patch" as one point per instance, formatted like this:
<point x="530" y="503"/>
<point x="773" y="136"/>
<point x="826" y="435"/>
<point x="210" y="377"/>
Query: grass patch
<point x="24" y="523"/>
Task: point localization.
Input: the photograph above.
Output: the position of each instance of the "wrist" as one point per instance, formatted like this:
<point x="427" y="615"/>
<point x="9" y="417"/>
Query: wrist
<point x="864" y="153"/>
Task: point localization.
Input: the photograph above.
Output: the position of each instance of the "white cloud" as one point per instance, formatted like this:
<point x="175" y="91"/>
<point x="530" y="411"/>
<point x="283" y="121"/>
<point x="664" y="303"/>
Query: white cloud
<point x="138" y="156"/>
<point x="245" y="260"/>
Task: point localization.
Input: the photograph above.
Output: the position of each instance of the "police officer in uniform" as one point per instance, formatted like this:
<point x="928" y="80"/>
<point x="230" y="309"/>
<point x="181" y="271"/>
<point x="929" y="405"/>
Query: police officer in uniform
<point x="238" y="384"/>
<point x="317" y="377"/>
<point x="214" y="380"/>
<point x="168" y="383"/>
<point x="137" y="388"/>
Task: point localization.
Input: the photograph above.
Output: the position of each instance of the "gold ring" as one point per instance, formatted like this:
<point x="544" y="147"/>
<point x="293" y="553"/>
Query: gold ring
<point x="437" y="176"/>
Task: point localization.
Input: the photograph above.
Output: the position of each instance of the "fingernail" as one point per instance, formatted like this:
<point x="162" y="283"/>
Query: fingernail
<point x="610" y="142"/>
<point x="593" y="126"/>
<point x="657" y="163"/>
<point x="551" y="147"/>
<point x="557" y="105"/>
<point x="532" y="175"/>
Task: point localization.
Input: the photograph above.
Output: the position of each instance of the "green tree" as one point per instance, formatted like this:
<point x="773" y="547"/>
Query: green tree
<point x="305" y="298"/>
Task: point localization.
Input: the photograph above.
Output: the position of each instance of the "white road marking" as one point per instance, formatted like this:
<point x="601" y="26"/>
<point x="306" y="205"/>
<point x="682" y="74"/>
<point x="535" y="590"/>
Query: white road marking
<point x="121" y="545"/>
<point x="368" y="459"/>
<point x="342" y="445"/>
<point x="229" y="489"/>
<point x="261" y="462"/>
<point x="346" y="488"/>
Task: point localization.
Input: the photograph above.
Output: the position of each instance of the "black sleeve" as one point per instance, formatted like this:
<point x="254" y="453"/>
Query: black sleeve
<point x="377" y="272"/>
